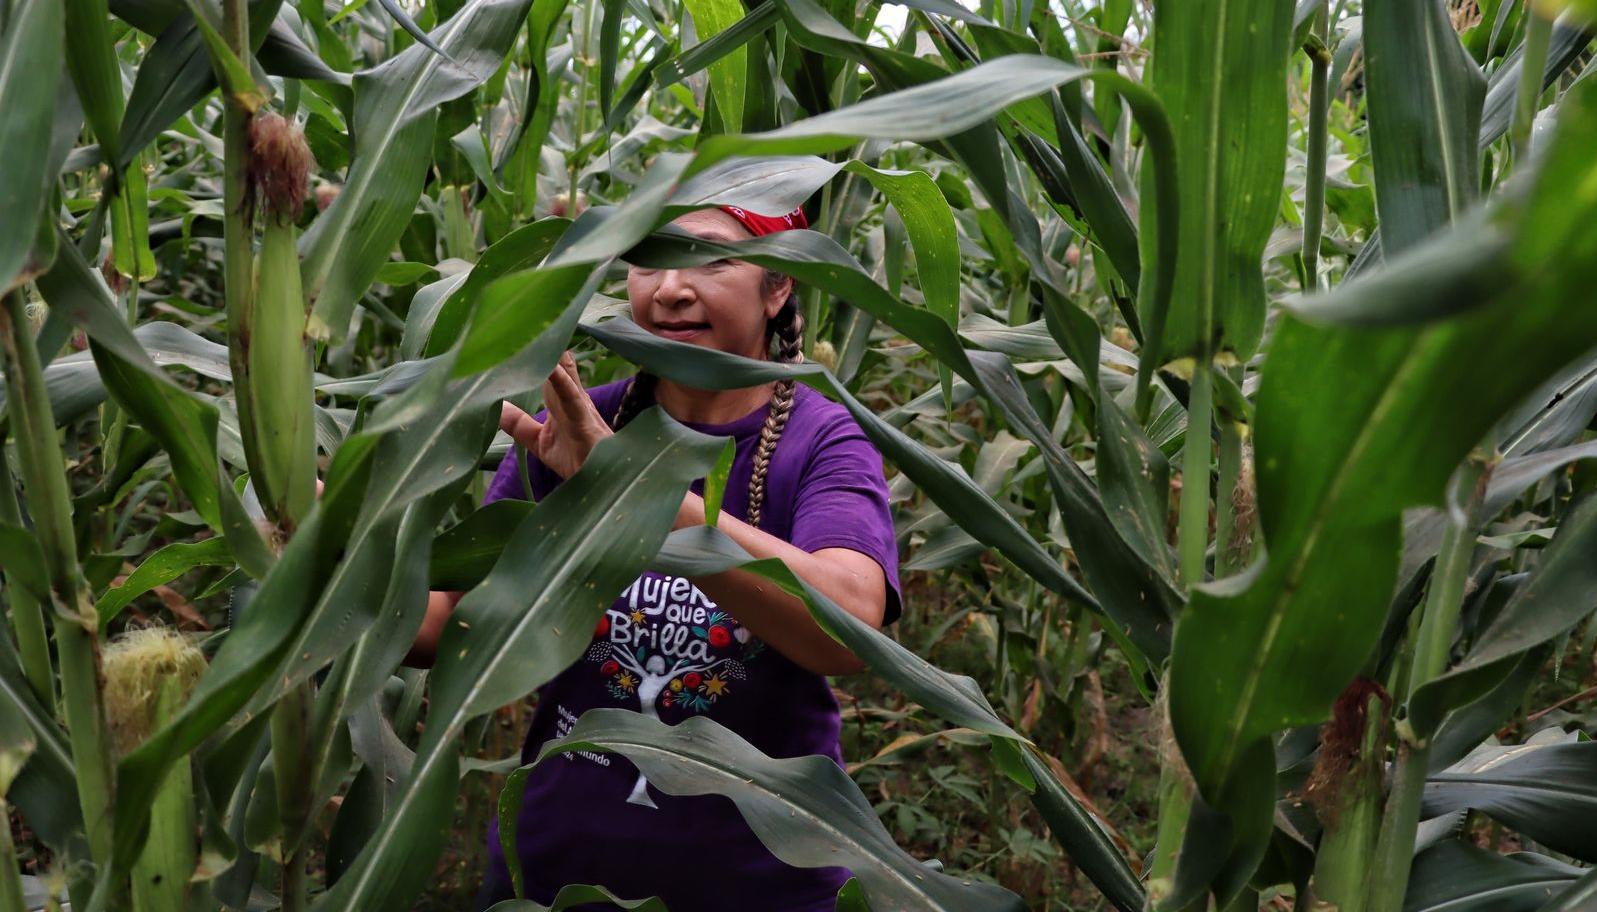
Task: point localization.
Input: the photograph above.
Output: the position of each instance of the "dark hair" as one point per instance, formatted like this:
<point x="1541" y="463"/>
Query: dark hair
<point x="786" y="333"/>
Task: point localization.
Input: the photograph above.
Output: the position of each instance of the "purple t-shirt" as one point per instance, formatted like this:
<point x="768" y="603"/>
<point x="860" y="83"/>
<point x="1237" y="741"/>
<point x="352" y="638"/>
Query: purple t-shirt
<point x="666" y="649"/>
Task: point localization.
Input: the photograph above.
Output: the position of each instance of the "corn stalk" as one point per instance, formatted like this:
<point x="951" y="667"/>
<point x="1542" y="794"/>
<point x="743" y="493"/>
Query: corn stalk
<point x="77" y="624"/>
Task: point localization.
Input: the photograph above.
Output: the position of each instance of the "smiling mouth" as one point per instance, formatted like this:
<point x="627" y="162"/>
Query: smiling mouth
<point x="680" y="330"/>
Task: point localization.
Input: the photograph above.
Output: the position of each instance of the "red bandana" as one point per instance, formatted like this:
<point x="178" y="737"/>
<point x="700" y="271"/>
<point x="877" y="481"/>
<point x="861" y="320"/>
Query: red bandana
<point x="759" y="225"/>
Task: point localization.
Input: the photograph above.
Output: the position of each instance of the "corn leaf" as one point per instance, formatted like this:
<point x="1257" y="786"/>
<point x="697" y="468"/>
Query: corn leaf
<point x="1424" y="99"/>
<point x="30" y="52"/>
<point x="431" y="330"/>
<point x="1556" y="597"/>
<point x="1455" y="876"/>
<point x="521" y="159"/>
<point x="183" y="423"/>
<point x="1354" y="425"/>
<point x="419" y="465"/>
<point x="1543" y="791"/>
<point x="1582" y="894"/>
<point x="91" y="59"/>
<point x="532" y="617"/>
<point x="160" y="568"/>
<point x="256" y="642"/>
<point x="45" y="790"/>
<point x="576" y="894"/>
<point x="704" y="551"/>
<point x="728" y="73"/>
<point x="806" y="810"/>
<point x="1221" y="74"/>
<point x="396" y="105"/>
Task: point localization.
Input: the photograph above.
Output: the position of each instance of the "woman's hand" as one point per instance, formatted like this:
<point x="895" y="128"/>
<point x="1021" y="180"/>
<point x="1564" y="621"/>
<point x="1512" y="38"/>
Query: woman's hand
<point x="573" y="427"/>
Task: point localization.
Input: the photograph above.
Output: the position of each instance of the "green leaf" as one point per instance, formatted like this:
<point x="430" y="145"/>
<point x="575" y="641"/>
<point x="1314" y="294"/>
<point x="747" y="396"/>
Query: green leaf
<point x="46" y="789"/>
<point x="727" y="74"/>
<point x="1542" y="791"/>
<point x="405" y="273"/>
<point x="1556" y="597"/>
<point x="426" y="448"/>
<point x="806" y="810"/>
<point x="437" y="318"/>
<point x="160" y="568"/>
<point x="715" y="483"/>
<point x="184" y="424"/>
<point x="521" y="161"/>
<point x="1134" y="482"/>
<point x="235" y="75"/>
<point x="1467" y="726"/>
<point x="509" y="316"/>
<point x="929" y="222"/>
<point x="1354" y="425"/>
<point x="1221" y="74"/>
<point x="464" y="554"/>
<point x="851" y="897"/>
<point x="174" y="75"/>
<point x="711" y="49"/>
<point x="402" y="18"/>
<point x="1424" y="95"/>
<point x="530" y="618"/>
<point x="573" y="895"/>
<point x="91" y="59"/>
<point x="1083" y="839"/>
<point x="932" y="110"/>
<point x="30" y="66"/>
<point x="1458" y="877"/>
<point x="1580" y="895"/>
<point x="611" y="13"/>
<point x="396" y="105"/>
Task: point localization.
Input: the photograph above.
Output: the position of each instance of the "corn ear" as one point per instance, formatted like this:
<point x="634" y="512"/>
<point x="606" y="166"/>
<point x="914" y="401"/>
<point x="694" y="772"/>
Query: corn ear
<point x="282" y="420"/>
<point x="1346" y="790"/>
<point x="268" y="349"/>
<point x="165" y="867"/>
<point x="149" y="674"/>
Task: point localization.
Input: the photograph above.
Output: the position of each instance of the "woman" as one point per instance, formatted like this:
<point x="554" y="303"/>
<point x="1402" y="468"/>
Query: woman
<point x="808" y="487"/>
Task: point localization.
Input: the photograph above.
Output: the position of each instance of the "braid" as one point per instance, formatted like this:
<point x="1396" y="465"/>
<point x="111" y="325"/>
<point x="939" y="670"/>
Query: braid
<point x="639" y="396"/>
<point x="787" y="330"/>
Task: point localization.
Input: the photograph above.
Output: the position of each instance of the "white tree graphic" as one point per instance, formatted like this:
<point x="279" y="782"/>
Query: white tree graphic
<point x="653" y="677"/>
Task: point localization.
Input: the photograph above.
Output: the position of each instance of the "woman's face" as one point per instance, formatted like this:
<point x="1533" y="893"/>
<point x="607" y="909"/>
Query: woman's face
<point x="722" y="305"/>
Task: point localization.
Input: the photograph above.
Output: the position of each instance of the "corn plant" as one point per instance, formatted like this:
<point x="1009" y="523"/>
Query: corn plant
<point x="1243" y="346"/>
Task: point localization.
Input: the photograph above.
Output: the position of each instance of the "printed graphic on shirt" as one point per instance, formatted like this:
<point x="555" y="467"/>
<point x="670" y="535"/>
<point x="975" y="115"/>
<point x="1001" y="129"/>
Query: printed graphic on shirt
<point x="666" y="645"/>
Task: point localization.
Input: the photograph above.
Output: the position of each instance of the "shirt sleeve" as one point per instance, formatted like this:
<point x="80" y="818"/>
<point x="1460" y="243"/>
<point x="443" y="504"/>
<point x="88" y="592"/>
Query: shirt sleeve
<point x="842" y="503"/>
<point x="506" y="483"/>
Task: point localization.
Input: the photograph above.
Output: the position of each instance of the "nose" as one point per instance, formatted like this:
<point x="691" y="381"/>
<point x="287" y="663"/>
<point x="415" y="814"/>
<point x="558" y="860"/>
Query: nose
<point x="675" y="289"/>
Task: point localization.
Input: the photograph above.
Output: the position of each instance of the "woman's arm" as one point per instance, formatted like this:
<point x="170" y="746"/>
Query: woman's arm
<point x="851" y="579"/>
<point x="440" y="605"/>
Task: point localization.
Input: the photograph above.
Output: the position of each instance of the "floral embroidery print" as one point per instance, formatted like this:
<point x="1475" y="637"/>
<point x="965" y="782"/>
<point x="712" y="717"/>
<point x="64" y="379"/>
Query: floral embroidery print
<point x="667" y="640"/>
<point x="665" y="644"/>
